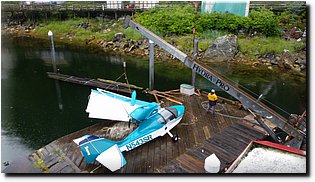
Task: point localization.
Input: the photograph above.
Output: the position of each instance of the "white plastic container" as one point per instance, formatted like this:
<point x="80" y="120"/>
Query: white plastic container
<point x="187" y="89"/>
<point x="212" y="164"/>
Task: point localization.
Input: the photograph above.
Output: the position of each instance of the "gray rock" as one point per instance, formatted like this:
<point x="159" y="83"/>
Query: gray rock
<point x="131" y="48"/>
<point x="300" y="61"/>
<point x="274" y="62"/>
<point x="296" y="68"/>
<point x="118" y="36"/>
<point x="117" y="44"/>
<point x="287" y="64"/>
<point x="270" y="56"/>
<point x="123" y="45"/>
<point x="223" y="49"/>
<point x="144" y="46"/>
<point x="303" y="67"/>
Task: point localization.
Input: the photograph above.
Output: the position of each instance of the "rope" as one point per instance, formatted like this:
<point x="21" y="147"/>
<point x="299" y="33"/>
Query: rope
<point x="114" y="81"/>
<point x="205" y="106"/>
<point x="126" y="79"/>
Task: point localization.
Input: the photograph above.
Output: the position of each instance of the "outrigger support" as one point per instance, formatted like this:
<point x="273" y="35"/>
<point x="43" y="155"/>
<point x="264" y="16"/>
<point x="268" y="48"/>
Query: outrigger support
<point x="248" y="101"/>
<point x="263" y="125"/>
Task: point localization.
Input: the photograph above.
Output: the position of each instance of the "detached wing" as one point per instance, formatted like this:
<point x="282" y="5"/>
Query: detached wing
<point x="108" y="105"/>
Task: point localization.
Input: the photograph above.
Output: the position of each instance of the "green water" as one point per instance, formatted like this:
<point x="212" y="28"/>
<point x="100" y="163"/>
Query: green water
<point x="31" y="118"/>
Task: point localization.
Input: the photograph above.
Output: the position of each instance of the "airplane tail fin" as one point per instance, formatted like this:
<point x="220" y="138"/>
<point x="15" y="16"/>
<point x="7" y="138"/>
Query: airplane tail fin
<point x="133" y="98"/>
<point x="104" y="151"/>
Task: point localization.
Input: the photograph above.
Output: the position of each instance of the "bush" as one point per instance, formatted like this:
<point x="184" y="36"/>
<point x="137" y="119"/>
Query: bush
<point x="221" y="21"/>
<point x="265" y="22"/>
<point x="180" y="20"/>
<point x="288" y="20"/>
<point x="167" y="21"/>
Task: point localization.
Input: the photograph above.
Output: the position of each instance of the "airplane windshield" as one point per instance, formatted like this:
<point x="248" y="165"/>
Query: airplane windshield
<point x="167" y="114"/>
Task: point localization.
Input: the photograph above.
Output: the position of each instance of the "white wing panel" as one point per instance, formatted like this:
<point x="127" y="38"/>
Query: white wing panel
<point x="107" y="105"/>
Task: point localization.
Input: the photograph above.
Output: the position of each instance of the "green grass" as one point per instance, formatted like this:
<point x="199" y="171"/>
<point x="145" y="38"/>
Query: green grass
<point x="250" y="46"/>
<point x="96" y="29"/>
<point x="132" y="34"/>
<point x="62" y="29"/>
<point x="204" y="40"/>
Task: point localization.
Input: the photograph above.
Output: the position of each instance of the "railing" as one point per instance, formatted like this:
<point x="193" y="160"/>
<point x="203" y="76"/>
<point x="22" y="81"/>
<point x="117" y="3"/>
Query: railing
<point x="278" y="6"/>
<point x="104" y="6"/>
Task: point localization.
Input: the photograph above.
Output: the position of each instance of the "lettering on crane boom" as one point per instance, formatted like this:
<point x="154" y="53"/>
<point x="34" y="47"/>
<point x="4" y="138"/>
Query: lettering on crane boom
<point x="211" y="78"/>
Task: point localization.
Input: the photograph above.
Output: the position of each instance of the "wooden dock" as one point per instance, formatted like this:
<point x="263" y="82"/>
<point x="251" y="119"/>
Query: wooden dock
<point x="227" y="145"/>
<point x="200" y="133"/>
<point x="97" y="83"/>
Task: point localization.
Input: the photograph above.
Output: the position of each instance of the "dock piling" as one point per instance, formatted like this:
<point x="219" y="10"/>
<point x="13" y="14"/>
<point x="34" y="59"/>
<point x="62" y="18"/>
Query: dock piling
<point x="195" y="53"/>
<point x="151" y="65"/>
<point x="53" y="59"/>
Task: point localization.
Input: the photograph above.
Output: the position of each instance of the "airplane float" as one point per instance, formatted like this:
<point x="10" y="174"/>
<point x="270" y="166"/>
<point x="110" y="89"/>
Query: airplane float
<point x="152" y="121"/>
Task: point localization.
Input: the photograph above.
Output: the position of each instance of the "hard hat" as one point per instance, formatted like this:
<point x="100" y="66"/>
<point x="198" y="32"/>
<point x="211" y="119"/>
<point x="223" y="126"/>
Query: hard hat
<point x="212" y="91"/>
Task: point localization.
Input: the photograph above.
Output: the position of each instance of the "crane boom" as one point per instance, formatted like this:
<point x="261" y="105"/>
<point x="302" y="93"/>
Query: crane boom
<point x="248" y="101"/>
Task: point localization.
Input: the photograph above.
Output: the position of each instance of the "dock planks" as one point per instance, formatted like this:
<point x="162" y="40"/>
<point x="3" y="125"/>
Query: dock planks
<point x="226" y="145"/>
<point x="200" y="134"/>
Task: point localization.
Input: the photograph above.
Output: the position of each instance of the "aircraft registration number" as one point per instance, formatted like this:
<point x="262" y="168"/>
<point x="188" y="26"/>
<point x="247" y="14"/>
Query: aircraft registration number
<point x="138" y="142"/>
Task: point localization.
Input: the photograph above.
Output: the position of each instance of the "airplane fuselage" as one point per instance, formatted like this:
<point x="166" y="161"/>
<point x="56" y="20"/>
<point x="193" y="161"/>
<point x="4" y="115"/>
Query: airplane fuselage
<point x="134" y="140"/>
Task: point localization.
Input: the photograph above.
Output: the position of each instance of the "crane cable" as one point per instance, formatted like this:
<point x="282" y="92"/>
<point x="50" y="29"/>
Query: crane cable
<point x="250" y="91"/>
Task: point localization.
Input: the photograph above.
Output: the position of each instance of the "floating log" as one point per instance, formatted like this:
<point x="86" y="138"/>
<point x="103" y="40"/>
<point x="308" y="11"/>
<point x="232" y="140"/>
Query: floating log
<point x="100" y="83"/>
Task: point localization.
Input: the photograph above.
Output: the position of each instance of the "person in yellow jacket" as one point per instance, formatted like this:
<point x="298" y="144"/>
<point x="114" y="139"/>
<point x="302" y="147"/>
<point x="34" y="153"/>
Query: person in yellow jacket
<point x="212" y="97"/>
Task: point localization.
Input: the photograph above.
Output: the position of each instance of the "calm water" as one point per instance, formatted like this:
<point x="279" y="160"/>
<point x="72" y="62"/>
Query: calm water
<point x="31" y="118"/>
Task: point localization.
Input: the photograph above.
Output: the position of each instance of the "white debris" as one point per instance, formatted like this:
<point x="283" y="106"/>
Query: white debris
<point x="263" y="160"/>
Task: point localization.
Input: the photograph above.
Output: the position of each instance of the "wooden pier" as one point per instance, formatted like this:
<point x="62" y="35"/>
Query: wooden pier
<point x="99" y="83"/>
<point x="200" y="133"/>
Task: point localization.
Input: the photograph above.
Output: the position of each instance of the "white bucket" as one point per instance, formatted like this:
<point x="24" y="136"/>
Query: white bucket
<point x="187" y="89"/>
<point x="212" y="164"/>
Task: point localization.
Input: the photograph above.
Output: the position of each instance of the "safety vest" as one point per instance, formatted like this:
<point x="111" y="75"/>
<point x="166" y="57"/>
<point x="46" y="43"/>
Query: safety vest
<point x="212" y="97"/>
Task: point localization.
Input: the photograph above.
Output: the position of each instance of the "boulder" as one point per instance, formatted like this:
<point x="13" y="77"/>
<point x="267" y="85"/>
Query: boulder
<point x="296" y="68"/>
<point x="144" y="46"/>
<point x="270" y="57"/>
<point x="300" y="61"/>
<point x="83" y="25"/>
<point x="287" y="64"/>
<point x="117" y="44"/>
<point x="223" y="49"/>
<point x="118" y="36"/>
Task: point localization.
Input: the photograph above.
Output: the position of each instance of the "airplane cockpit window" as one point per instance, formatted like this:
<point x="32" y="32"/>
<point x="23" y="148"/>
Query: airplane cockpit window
<point x="167" y="114"/>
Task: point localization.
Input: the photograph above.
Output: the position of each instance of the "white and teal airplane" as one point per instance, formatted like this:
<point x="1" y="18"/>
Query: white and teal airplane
<point x="151" y="119"/>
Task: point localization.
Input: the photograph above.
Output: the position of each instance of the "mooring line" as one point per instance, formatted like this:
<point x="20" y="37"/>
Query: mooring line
<point x="205" y="105"/>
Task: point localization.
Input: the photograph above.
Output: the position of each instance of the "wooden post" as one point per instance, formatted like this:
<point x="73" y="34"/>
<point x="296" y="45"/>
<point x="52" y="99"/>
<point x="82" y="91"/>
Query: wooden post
<point x="151" y="65"/>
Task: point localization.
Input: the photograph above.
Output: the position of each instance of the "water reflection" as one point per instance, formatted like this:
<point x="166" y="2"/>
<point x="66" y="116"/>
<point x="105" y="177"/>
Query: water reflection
<point x="54" y="64"/>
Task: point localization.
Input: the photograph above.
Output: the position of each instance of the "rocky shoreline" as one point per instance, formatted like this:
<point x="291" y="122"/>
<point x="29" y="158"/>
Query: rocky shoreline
<point x="222" y="49"/>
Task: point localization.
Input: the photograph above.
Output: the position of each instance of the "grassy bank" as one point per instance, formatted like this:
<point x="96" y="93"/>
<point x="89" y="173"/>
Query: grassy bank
<point x="97" y="29"/>
<point x="106" y="30"/>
